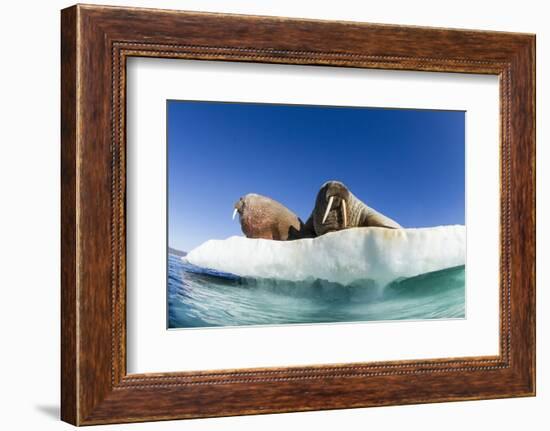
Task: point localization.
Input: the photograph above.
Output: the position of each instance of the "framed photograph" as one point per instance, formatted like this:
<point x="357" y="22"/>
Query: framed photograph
<point x="342" y="260"/>
<point x="266" y="215"/>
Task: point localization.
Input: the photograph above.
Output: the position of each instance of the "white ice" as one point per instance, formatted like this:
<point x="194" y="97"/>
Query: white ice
<point x="378" y="254"/>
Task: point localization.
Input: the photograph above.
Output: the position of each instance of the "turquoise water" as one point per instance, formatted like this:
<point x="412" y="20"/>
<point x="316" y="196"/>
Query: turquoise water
<point x="203" y="298"/>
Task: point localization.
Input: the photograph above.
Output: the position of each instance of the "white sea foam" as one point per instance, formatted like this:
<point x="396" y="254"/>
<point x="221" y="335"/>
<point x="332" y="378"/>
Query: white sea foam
<point x="378" y="254"/>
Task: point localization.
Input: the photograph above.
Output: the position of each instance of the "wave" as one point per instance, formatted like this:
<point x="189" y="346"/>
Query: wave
<point x="344" y="257"/>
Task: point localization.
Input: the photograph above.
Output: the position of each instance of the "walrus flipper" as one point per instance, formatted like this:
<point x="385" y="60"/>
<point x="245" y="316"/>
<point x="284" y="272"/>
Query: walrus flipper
<point x="374" y="218"/>
<point x="306" y="230"/>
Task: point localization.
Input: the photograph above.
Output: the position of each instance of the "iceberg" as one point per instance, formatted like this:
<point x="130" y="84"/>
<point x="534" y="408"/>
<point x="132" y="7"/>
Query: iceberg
<point x="366" y="253"/>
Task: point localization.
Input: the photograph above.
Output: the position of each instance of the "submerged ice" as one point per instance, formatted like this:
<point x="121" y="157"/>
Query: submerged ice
<point x="368" y="253"/>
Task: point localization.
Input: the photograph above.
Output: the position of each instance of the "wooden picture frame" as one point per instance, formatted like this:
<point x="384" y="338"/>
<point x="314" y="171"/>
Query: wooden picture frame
<point x="95" y="43"/>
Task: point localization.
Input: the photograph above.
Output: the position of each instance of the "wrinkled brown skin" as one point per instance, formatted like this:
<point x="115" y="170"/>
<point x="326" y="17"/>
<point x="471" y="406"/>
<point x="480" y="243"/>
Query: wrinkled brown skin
<point x="358" y="213"/>
<point x="263" y="217"/>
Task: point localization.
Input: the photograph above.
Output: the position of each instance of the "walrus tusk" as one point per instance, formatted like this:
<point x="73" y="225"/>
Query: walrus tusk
<point x="234" y="214"/>
<point x="344" y="213"/>
<point x="328" y="209"/>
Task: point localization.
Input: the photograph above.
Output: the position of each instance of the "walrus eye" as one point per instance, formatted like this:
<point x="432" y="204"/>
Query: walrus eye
<point x="328" y="209"/>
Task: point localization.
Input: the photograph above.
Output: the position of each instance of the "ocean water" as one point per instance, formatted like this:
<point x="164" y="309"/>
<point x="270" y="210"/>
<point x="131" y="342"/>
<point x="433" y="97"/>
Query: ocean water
<point x="204" y="298"/>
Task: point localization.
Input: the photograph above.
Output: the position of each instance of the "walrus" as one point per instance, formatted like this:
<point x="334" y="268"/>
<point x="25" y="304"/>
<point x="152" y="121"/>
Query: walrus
<point x="337" y="208"/>
<point x="263" y="217"/>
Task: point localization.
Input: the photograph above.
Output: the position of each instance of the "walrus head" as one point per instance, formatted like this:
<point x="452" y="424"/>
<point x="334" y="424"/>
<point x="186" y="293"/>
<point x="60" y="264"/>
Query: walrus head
<point x="238" y="207"/>
<point x="331" y="208"/>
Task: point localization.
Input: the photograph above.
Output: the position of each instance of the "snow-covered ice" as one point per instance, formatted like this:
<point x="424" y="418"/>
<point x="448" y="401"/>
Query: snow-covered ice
<point x="372" y="253"/>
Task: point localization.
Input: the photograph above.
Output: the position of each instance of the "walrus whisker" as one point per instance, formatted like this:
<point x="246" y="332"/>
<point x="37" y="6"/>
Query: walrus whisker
<point x="345" y="216"/>
<point x="328" y="209"/>
<point x="234" y="214"/>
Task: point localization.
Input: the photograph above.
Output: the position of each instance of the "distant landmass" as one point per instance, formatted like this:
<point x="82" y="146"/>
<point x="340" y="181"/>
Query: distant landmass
<point x="177" y="252"/>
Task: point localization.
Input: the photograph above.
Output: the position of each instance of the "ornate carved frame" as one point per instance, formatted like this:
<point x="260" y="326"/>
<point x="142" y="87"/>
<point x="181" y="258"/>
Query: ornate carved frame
<point x="95" y="42"/>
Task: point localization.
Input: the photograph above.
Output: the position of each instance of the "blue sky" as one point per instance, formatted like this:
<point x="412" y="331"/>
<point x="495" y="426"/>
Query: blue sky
<point x="407" y="164"/>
